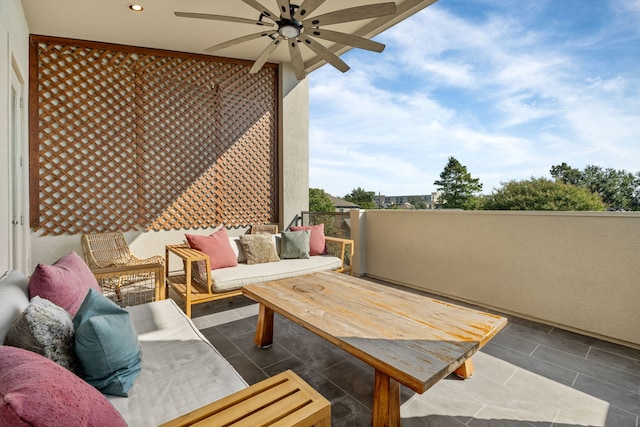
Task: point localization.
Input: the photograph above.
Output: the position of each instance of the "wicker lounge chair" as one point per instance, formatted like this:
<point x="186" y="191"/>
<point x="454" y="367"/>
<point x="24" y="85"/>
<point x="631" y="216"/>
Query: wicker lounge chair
<point x="116" y="267"/>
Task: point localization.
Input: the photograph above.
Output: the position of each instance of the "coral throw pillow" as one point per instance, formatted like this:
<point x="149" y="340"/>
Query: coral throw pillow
<point x="65" y="283"/>
<point x="36" y="392"/>
<point x="217" y="246"/>
<point x="317" y="243"/>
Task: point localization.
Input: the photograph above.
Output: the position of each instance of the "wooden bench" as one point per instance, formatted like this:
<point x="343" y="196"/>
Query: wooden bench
<point x="284" y="400"/>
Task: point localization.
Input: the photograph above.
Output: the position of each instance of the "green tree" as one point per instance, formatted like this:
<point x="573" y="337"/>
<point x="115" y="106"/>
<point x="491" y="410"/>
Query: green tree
<point x="418" y="203"/>
<point x="361" y="197"/>
<point x="619" y="189"/>
<point x="541" y="194"/>
<point x="459" y="189"/>
<point x="319" y="201"/>
<point x="566" y="174"/>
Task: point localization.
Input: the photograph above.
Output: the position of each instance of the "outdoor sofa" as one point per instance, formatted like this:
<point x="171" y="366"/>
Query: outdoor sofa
<point x="218" y="266"/>
<point x="50" y="380"/>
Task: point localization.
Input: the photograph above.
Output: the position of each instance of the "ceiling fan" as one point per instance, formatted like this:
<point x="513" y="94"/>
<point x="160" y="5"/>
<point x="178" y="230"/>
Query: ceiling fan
<point x="295" y="26"/>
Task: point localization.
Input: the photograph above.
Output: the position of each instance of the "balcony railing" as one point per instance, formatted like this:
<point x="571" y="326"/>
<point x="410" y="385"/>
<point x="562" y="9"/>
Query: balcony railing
<point x="336" y="224"/>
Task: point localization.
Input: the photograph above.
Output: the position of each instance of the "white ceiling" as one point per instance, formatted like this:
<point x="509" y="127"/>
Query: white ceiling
<point x="156" y="27"/>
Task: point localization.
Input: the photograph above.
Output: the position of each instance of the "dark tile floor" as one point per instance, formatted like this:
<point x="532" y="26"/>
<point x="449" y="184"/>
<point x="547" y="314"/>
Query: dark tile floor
<point x="529" y="374"/>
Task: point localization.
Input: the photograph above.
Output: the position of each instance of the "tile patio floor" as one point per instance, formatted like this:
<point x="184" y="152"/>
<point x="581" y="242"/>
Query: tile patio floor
<point x="529" y="374"/>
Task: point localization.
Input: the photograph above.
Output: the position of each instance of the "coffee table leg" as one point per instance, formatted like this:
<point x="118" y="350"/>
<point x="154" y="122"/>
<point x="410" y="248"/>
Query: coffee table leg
<point x="465" y="370"/>
<point x="386" y="401"/>
<point x="264" y="330"/>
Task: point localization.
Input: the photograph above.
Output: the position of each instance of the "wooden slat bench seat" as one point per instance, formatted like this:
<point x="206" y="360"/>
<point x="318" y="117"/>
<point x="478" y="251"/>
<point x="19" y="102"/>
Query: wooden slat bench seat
<point x="284" y="400"/>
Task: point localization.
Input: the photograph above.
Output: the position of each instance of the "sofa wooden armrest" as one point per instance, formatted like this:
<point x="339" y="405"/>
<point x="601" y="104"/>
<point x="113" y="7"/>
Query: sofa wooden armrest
<point x="193" y="291"/>
<point x="283" y="400"/>
<point x="343" y="250"/>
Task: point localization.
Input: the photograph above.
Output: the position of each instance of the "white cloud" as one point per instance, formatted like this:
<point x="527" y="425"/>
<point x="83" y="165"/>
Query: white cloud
<point x="507" y="97"/>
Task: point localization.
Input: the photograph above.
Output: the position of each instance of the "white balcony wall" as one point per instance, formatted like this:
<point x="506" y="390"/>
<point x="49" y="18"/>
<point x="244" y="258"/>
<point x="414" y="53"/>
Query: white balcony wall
<point x="580" y="271"/>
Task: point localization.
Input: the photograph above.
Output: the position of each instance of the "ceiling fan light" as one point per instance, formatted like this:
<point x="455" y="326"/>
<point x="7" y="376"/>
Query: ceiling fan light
<point x="289" y="31"/>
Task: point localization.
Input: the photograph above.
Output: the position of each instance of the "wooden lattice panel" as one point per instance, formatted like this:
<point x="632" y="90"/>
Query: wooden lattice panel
<point x="131" y="140"/>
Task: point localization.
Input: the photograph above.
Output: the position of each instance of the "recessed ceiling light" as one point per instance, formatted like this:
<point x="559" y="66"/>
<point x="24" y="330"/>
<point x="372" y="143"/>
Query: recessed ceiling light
<point x="136" y="7"/>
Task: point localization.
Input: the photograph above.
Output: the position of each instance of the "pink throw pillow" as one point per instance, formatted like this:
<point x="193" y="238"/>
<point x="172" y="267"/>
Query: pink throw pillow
<point x="34" y="391"/>
<point x="317" y="244"/>
<point x="65" y="283"/>
<point x="217" y="246"/>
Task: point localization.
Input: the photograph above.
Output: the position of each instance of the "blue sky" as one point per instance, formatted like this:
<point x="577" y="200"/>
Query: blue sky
<point x="507" y="87"/>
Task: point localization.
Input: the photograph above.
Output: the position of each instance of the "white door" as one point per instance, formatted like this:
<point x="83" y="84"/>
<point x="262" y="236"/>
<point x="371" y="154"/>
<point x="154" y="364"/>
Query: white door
<point x="17" y="176"/>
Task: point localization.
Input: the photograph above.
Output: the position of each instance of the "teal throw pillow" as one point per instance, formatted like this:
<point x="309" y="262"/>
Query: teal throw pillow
<point x="106" y="345"/>
<point x="295" y="244"/>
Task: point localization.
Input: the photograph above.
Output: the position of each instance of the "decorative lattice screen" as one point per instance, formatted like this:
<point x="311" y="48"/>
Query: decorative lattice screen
<point x="139" y="139"/>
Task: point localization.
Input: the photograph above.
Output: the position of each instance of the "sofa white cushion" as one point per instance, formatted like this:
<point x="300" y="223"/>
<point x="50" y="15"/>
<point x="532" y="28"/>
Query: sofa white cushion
<point x="14" y="298"/>
<point x="181" y="370"/>
<point x="226" y="279"/>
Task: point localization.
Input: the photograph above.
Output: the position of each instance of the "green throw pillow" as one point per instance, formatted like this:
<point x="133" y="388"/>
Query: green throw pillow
<point x="106" y="345"/>
<point x="295" y="244"/>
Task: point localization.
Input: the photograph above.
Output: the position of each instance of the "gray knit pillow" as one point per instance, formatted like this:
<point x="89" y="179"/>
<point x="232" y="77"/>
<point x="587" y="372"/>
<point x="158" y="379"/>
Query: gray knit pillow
<point x="46" y="329"/>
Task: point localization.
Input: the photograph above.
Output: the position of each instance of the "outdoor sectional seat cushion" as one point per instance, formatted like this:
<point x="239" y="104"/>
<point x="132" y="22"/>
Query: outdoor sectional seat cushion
<point x="226" y="279"/>
<point x="14" y="299"/>
<point x="181" y="370"/>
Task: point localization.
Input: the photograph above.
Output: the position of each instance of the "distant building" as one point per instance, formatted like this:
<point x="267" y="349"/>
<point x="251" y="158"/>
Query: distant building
<point x="431" y="200"/>
<point x="342" y="205"/>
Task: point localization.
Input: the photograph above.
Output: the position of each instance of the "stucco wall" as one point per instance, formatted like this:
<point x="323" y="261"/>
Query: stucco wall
<point x="294" y="152"/>
<point x="14" y="52"/>
<point x="578" y="271"/>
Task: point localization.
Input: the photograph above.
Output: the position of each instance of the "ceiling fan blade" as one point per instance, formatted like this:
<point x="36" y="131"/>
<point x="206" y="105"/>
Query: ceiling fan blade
<point x="263" y="10"/>
<point x="347" y="39"/>
<point x="296" y="58"/>
<point x="325" y="54"/>
<point x="352" y="14"/>
<point x="239" y="40"/>
<point x="221" y="18"/>
<point x="285" y="9"/>
<point x="265" y="55"/>
<point x="307" y="7"/>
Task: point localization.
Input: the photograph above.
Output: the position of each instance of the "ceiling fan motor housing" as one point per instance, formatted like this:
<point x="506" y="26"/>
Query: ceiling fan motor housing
<point x="289" y="28"/>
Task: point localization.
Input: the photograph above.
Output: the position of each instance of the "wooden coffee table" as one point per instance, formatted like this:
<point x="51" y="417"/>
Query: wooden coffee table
<point x="407" y="338"/>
